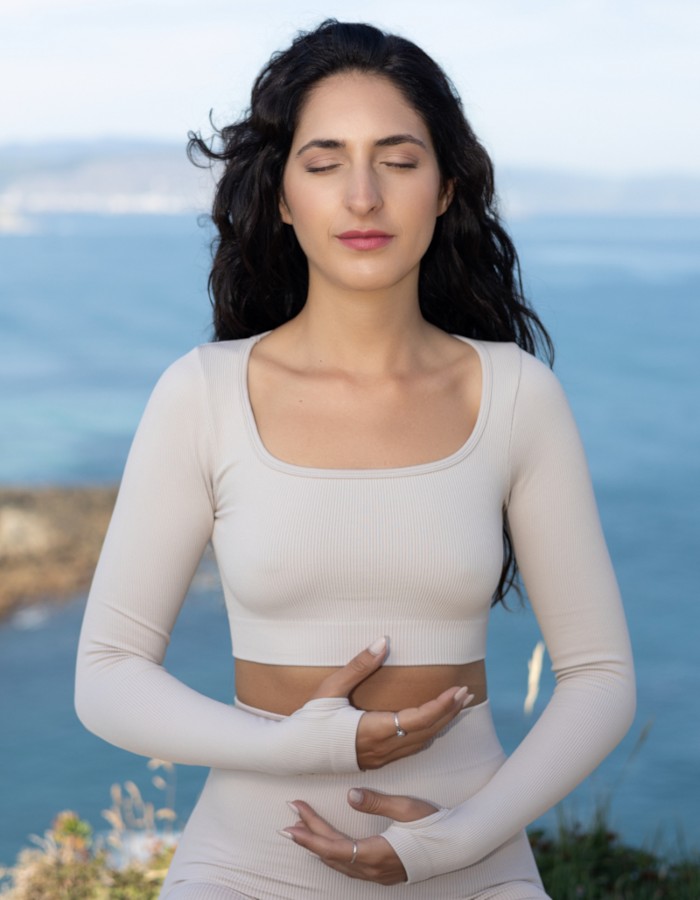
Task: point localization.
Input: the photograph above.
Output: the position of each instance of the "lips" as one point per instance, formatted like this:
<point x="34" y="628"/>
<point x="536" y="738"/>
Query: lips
<point x="365" y="240"/>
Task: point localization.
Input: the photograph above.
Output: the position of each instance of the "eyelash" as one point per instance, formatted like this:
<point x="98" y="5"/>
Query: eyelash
<point x="313" y="169"/>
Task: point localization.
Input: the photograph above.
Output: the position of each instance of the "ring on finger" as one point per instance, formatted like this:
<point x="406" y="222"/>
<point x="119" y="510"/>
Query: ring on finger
<point x="399" y="730"/>
<point x="354" y="852"/>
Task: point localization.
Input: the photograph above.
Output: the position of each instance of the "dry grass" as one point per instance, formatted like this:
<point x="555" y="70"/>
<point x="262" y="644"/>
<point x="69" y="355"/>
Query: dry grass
<point x="131" y="861"/>
<point x="128" y="863"/>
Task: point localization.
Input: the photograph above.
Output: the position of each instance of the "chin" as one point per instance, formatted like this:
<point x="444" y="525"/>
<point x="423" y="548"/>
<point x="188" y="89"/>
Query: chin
<point x="372" y="282"/>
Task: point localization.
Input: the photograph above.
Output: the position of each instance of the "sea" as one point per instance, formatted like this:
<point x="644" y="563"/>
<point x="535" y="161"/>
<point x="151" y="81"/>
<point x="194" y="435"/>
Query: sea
<point x="93" y="308"/>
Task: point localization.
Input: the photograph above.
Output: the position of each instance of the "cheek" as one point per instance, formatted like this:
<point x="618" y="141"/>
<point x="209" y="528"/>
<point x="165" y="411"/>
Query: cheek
<point x="424" y="209"/>
<point x="423" y="199"/>
<point x="303" y="209"/>
<point x="286" y="203"/>
<point x="294" y="199"/>
<point x="285" y="214"/>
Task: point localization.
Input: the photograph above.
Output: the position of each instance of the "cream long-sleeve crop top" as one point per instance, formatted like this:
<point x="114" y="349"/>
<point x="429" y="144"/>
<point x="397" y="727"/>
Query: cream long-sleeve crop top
<point x="316" y="563"/>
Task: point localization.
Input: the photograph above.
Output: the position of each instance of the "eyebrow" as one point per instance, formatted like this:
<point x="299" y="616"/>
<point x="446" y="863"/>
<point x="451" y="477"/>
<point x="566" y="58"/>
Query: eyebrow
<point x="391" y="141"/>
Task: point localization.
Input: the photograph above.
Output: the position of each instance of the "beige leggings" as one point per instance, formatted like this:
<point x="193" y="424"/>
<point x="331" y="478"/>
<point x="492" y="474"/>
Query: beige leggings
<point x="231" y="849"/>
<point x="515" y="890"/>
<point x="203" y="891"/>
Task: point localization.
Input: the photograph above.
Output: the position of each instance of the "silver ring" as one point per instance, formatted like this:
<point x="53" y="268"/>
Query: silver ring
<point x="354" y="852"/>
<point x="399" y="730"/>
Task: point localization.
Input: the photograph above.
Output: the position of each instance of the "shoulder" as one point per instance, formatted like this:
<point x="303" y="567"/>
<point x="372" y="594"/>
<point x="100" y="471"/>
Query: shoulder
<point x="204" y="363"/>
<point x="519" y="378"/>
<point x="542" y="429"/>
<point x="508" y="358"/>
<point x="527" y="399"/>
<point x="540" y="395"/>
<point x="218" y="355"/>
<point x="224" y="352"/>
<point x="204" y="392"/>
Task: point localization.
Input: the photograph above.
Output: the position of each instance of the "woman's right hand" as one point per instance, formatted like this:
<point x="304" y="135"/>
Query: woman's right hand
<point x="377" y="742"/>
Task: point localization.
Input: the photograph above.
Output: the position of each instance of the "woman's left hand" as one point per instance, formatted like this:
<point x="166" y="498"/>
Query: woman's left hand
<point x="375" y="859"/>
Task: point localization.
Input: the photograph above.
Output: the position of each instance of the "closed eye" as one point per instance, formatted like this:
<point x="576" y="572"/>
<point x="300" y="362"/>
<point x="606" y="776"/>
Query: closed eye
<point x="330" y="166"/>
<point x="322" y="168"/>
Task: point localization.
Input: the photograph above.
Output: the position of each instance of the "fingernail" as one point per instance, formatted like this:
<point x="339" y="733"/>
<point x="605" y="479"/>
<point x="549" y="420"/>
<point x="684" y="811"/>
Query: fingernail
<point x="355" y="795"/>
<point x="292" y="807"/>
<point x="467" y="700"/>
<point x="461" y="694"/>
<point x="377" y="646"/>
<point x="286" y="834"/>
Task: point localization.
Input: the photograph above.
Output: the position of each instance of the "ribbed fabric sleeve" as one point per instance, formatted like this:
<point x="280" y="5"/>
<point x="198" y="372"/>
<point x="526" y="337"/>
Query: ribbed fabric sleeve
<point x="566" y="569"/>
<point x="162" y="521"/>
<point x="318" y="563"/>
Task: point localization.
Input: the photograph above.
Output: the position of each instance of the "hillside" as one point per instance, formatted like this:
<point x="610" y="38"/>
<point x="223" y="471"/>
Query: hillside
<point x="140" y="177"/>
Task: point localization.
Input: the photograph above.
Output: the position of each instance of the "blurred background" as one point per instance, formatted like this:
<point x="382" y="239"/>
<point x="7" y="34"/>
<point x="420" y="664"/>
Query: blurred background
<point x="588" y="110"/>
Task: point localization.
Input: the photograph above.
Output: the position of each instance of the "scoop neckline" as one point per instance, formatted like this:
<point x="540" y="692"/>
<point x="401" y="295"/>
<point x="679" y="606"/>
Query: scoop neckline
<point x="394" y="472"/>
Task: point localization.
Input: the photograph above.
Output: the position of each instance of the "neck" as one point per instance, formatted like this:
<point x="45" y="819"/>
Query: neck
<point x="362" y="332"/>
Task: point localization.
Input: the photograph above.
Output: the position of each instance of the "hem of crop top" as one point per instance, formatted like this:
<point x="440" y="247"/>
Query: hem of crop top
<point x="434" y="643"/>
<point x="420" y="468"/>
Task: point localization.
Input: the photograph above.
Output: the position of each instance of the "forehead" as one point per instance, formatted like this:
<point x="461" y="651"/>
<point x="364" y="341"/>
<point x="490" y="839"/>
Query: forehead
<point x="357" y="104"/>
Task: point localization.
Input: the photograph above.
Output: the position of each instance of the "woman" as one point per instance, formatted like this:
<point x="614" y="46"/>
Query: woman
<point x="366" y="435"/>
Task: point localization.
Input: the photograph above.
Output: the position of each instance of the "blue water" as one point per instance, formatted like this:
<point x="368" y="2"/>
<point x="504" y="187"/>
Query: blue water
<point x="92" y="309"/>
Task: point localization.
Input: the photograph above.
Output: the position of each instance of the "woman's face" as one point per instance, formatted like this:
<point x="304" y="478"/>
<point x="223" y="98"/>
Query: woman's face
<point x="361" y="187"/>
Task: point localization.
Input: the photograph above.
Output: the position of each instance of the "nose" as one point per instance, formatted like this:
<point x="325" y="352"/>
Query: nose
<point x="362" y="191"/>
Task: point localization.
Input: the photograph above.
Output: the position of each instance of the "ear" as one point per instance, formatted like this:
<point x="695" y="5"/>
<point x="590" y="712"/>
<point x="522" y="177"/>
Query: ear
<point x="285" y="214"/>
<point x="447" y="192"/>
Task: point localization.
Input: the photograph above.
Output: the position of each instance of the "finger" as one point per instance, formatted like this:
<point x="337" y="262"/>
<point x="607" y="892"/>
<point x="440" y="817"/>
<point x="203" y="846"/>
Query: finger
<point x="314" y="823"/>
<point x="414" y="741"/>
<point x="375" y="860"/>
<point x="392" y="806"/>
<point x="332" y="851"/>
<point x="342" y="682"/>
<point x="439" y="724"/>
<point x="317" y="835"/>
<point x="379" y="742"/>
<point x="435" y="714"/>
<point x="379" y="726"/>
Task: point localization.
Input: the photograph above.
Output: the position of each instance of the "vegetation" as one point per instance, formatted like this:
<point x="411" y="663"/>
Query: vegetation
<point x="130" y="863"/>
<point x="592" y="863"/>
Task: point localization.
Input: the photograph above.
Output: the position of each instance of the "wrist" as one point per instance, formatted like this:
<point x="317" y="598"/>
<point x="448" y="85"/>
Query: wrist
<point x="321" y="737"/>
<point x="414" y="844"/>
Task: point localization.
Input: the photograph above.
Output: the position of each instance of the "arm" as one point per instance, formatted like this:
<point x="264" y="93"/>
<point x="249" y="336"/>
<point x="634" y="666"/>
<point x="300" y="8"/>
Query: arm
<point x="561" y="551"/>
<point x="161" y="524"/>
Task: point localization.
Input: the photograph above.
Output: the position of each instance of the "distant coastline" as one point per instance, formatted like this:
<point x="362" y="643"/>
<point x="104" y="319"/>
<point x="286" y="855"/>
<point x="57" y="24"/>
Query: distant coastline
<point x="50" y="540"/>
<point x="141" y="177"/>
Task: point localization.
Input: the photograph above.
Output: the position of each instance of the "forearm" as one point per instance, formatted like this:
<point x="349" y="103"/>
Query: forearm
<point x="138" y="706"/>
<point x="564" y="562"/>
<point x="588" y="715"/>
<point x="161" y="524"/>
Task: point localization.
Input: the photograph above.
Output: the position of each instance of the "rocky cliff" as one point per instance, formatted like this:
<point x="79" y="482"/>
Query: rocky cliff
<point x="50" y="540"/>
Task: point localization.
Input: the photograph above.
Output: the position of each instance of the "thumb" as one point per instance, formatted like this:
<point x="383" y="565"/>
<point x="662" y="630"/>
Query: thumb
<point x="398" y="808"/>
<point x="343" y="681"/>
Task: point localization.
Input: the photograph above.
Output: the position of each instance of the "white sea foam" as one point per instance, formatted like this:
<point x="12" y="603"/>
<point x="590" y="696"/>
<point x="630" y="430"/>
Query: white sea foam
<point x="31" y="618"/>
<point x="12" y="222"/>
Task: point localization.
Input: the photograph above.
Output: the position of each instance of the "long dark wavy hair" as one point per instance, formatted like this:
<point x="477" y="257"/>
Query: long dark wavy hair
<point x="469" y="283"/>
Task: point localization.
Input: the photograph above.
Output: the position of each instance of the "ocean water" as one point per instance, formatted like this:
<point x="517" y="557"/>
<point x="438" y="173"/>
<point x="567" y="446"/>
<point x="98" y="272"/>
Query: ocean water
<point x="93" y="308"/>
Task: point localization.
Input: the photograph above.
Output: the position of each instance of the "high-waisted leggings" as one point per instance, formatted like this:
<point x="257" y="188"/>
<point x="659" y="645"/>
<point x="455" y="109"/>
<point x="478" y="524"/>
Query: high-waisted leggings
<point x="231" y="848"/>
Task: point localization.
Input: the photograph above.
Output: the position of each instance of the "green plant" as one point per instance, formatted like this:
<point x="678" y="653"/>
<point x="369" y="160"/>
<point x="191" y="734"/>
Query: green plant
<point x="576" y="862"/>
<point x="130" y="864"/>
<point x="592" y="863"/>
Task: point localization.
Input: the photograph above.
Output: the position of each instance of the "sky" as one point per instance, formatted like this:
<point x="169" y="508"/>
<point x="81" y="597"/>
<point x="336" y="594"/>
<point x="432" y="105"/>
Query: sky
<point x="593" y="86"/>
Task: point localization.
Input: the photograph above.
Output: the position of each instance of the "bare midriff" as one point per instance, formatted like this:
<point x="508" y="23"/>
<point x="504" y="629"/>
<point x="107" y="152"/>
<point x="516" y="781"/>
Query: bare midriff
<point x="284" y="689"/>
